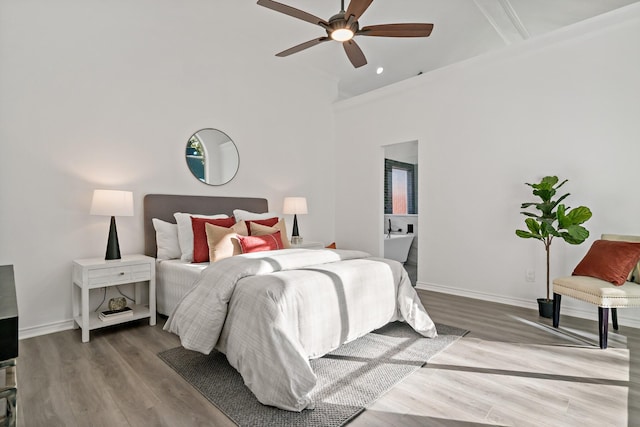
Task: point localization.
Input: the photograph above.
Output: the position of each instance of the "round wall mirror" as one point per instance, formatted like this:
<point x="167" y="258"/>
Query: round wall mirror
<point x="212" y="156"/>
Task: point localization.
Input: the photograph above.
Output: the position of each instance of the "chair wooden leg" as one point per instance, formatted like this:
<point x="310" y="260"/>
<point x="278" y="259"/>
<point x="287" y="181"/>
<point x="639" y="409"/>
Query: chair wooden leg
<point x="603" y="325"/>
<point x="614" y="317"/>
<point x="557" y="299"/>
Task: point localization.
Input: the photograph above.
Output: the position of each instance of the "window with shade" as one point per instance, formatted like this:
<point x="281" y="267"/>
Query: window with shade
<point x="400" y="188"/>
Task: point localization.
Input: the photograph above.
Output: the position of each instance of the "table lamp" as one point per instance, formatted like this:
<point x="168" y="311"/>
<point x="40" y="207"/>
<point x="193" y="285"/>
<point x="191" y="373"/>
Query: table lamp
<point x="112" y="203"/>
<point x="294" y="206"/>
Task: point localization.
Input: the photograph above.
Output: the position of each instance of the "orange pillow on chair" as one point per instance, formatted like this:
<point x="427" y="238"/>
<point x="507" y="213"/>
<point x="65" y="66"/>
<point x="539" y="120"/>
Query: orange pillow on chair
<point x="609" y="260"/>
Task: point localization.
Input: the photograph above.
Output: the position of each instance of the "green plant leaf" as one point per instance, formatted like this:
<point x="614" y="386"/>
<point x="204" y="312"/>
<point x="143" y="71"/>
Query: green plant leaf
<point x="547" y="229"/>
<point x="561" y="198"/>
<point x="527" y="235"/>
<point x="546" y="209"/>
<point x="545" y="194"/>
<point x="533" y="225"/>
<point x="579" y="215"/>
<point x="545" y="183"/>
<point x="562" y="218"/>
<point x="577" y="234"/>
<point x="530" y="214"/>
<point x="526" y="205"/>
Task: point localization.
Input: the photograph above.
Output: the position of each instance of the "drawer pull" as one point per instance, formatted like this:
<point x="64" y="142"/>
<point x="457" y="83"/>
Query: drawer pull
<point x="122" y="273"/>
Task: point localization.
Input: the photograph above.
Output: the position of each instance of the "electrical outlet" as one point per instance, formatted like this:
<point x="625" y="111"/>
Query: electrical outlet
<point x="530" y="275"/>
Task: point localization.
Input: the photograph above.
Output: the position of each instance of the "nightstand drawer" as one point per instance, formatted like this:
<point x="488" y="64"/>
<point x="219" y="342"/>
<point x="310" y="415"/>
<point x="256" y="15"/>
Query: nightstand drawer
<point x="126" y="273"/>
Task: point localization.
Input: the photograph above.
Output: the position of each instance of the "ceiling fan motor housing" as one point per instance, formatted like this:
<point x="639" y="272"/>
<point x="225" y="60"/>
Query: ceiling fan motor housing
<point x="338" y="22"/>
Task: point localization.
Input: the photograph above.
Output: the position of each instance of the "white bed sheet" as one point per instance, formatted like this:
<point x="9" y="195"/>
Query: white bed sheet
<point x="174" y="278"/>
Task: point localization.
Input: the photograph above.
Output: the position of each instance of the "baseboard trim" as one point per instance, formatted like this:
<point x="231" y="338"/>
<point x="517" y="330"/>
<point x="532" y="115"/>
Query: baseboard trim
<point x="50" y="328"/>
<point x="519" y="302"/>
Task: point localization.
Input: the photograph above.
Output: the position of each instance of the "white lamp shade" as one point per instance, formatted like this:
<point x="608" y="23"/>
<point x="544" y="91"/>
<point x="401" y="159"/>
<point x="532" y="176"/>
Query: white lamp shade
<point x="112" y="203"/>
<point x="294" y="205"/>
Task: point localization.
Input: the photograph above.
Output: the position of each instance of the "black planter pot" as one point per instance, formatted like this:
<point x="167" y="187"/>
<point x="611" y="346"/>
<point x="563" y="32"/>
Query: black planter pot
<point x="545" y="307"/>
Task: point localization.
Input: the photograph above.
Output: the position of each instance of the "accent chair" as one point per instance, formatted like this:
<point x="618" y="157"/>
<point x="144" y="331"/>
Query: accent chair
<point x="600" y="292"/>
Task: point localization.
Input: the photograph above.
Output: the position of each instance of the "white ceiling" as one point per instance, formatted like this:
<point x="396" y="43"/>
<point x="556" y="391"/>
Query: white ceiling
<point x="462" y="29"/>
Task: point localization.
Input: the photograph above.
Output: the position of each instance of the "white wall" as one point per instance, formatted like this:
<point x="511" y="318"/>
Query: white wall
<point x="565" y="104"/>
<point x="98" y="94"/>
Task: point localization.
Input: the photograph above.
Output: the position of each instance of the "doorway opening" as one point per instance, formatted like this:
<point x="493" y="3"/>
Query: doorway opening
<point x="400" y="234"/>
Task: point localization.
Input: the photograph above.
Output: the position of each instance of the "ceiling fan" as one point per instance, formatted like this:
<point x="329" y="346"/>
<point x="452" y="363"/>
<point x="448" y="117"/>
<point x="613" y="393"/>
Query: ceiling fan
<point x="343" y="26"/>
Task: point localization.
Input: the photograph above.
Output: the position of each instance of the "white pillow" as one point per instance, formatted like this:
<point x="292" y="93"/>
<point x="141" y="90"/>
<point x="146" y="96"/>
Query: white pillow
<point x="166" y="239"/>
<point x="250" y="216"/>
<point x="185" y="232"/>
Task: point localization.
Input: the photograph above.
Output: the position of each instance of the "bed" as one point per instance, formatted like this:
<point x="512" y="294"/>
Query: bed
<point x="270" y="312"/>
<point x="175" y="277"/>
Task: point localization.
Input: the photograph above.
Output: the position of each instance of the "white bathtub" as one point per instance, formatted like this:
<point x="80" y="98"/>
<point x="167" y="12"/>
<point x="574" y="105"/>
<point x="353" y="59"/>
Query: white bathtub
<point x="397" y="246"/>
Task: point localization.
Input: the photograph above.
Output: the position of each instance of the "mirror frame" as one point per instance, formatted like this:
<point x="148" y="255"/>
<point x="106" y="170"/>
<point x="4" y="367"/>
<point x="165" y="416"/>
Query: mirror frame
<point x="207" y="181"/>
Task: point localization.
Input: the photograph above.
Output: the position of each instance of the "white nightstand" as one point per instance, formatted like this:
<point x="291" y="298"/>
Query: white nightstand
<point x="309" y="245"/>
<point x="96" y="273"/>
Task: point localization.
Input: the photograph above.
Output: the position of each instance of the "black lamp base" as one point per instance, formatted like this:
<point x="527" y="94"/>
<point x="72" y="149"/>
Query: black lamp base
<point x="295" y="235"/>
<point x="295" y="226"/>
<point x="113" y="247"/>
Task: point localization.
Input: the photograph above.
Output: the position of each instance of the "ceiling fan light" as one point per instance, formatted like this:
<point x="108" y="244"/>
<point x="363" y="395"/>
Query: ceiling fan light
<point x="342" y="34"/>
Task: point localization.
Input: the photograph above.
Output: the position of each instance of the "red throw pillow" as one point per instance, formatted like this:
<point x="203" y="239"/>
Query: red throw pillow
<point x="609" y="260"/>
<point x="269" y="222"/>
<point x="268" y="242"/>
<point x="200" y="244"/>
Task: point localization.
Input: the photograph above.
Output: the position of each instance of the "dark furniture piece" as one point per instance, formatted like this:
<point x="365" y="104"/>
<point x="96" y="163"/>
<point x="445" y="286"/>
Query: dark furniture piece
<point x="8" y="343"/>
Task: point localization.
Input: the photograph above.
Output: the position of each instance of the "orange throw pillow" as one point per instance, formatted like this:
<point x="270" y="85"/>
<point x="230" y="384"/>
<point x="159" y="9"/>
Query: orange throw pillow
<point x="609" y="260"/>
<point x="332" y="246"/>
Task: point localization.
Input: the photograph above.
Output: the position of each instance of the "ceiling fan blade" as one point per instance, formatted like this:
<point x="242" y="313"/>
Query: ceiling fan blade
<point x="302" y="46"/>
<point x="397" y="30"/>
<point x="292" y="11"/>
<point x="357" y="8"/>
<point x="354" y="53"/>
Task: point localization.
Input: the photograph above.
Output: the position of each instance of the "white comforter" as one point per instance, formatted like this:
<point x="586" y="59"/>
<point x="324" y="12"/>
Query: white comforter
<point x="270" y="312"/>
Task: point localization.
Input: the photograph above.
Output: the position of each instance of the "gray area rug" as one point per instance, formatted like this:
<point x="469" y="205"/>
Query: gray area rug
<point x="349" y="378"/>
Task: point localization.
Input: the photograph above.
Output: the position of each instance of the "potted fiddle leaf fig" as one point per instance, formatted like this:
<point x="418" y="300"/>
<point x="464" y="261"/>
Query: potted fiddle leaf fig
<point x="552" y="219"/>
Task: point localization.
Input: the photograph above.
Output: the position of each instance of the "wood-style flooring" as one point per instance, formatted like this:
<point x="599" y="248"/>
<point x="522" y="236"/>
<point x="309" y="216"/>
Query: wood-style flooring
<point x="512" y="369"/>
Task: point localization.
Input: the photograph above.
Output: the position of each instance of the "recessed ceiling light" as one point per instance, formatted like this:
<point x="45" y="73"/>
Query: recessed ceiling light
<point x="380" y="70"/>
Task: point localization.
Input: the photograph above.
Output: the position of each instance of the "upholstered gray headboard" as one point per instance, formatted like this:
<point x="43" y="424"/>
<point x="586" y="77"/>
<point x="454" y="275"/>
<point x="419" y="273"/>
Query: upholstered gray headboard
<point x="163" y="206"/>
